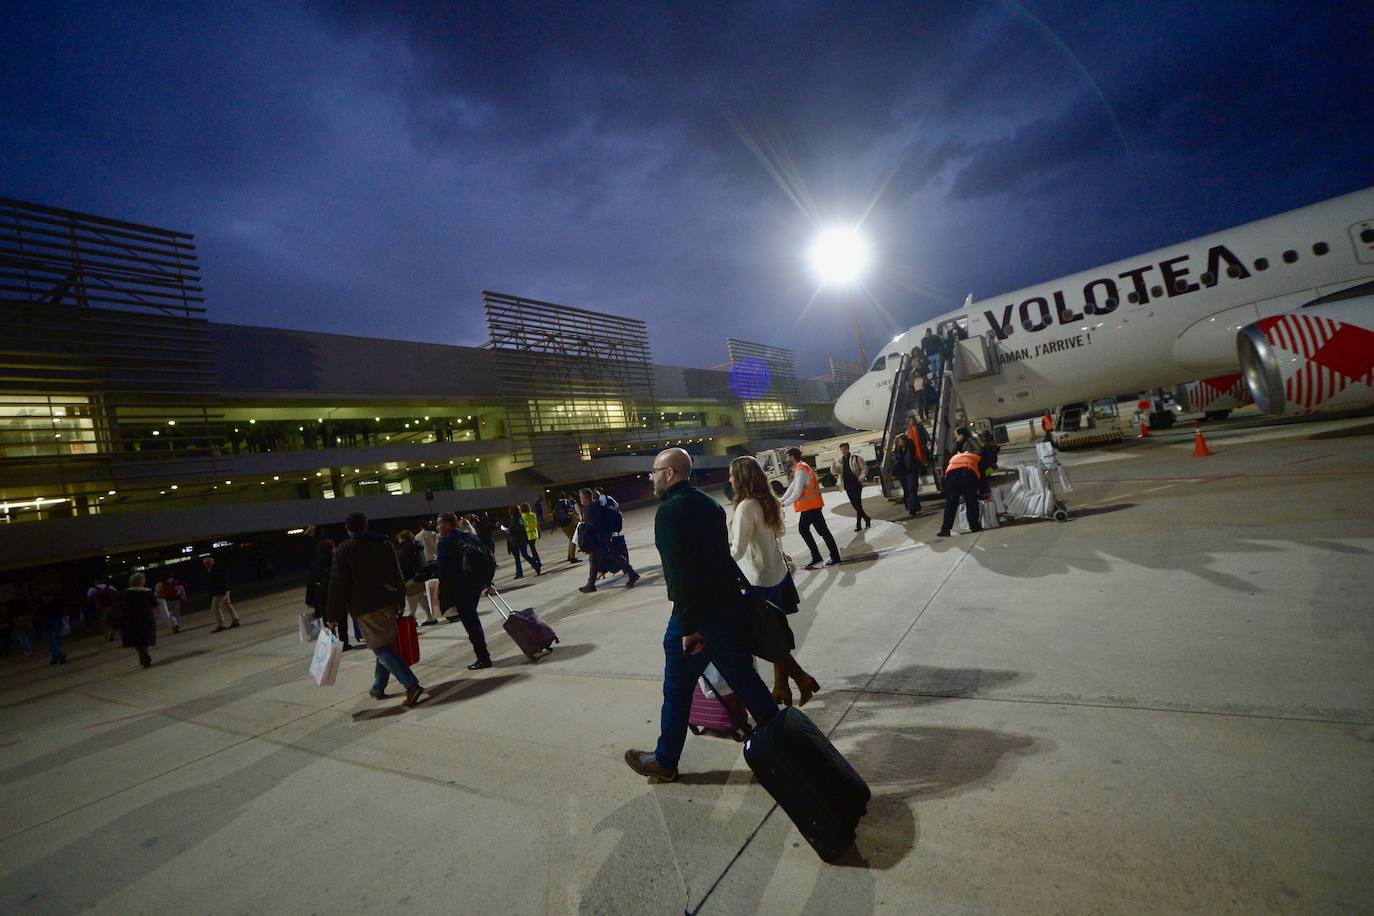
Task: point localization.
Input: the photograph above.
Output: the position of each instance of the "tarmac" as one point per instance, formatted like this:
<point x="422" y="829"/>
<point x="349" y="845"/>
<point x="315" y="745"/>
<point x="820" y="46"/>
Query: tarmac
<point x="1165" y="703"/>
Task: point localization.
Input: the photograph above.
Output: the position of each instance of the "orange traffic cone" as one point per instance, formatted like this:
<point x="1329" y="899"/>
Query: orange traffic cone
<point x="1144" y="430"/>
<point x="1200" y="449"/>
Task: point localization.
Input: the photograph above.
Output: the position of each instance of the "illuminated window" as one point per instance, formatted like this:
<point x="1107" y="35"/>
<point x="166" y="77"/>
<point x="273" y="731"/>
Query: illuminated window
<point x="32" y="426"/>
<point x="578" y="413"/>
<point x="765" y="412"/>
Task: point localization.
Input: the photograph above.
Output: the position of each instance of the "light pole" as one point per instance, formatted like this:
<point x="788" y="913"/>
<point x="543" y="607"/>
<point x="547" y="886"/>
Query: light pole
<point x="840" y="256"/>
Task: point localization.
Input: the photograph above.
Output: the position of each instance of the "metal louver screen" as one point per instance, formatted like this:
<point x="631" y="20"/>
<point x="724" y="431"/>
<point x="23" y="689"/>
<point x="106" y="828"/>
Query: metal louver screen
<point x="576" y="383"/>
<point x="772" y="407"/>
<point x="106" y="365"/>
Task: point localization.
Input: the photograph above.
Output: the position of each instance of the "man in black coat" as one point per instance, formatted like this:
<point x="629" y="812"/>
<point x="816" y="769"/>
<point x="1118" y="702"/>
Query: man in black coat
<point x="365" y="581"/>
<point x="598" y="530"/>
<point x="457" y="590"/>
<point x="708" y="612"/>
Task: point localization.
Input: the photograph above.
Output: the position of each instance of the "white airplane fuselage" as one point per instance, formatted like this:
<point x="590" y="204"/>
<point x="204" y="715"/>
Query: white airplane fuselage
<point x="1163" y="318"/>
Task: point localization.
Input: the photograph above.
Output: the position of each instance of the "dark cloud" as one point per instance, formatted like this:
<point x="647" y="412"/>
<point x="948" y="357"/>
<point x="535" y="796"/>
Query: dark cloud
<point x="368" y="168"/>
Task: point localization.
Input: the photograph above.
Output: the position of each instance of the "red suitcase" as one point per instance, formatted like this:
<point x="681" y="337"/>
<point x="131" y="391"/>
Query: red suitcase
<point x="407" y="639"/>
<point x="534" y="637"/>
<point x="716" y="716"/>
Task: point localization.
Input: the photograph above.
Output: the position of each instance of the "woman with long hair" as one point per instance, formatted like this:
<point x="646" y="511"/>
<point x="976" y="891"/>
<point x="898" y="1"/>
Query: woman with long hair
<point x="755" y="532"/>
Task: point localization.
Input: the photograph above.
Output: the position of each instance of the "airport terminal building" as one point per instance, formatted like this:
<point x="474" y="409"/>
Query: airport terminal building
<point x="136" y="432"/>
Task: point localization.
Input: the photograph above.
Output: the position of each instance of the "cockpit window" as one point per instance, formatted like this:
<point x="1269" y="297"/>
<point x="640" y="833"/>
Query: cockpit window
<point x="878" y="363"/>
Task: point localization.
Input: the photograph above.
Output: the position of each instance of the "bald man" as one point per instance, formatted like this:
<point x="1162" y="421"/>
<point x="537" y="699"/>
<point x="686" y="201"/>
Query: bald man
<point x="708" y="612"/>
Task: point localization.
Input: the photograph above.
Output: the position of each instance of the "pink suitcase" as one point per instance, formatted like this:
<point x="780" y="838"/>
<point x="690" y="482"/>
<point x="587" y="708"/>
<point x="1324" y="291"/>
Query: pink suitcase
<point x="709" y="715"/>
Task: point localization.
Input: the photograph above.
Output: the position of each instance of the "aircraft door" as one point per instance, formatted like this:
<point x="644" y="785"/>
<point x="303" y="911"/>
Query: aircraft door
<point x="1362" y="234"/>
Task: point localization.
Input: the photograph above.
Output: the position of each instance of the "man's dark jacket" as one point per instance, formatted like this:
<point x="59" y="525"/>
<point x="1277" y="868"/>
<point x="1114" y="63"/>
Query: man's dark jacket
<point x="411" y="556"/>
<point x="455" y="589"/>
<point x="217" y="581"/>
<point x="364" y="577"/>
<point x="701" y="575"/>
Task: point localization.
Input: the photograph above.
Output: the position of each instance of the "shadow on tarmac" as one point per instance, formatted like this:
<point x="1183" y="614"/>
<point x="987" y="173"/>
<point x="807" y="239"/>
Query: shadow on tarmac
<point x="162" y="661"/>
<point x="465" y="688"/>
<point x="1095" y="510"/>
<point x="902" y="765"/>
<point x="560" y="652"/>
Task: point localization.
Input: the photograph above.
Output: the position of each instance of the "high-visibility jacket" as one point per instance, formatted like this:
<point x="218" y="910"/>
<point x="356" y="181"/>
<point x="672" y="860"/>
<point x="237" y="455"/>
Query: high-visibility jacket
<point x="810" y="497"/>
<point x="1046" y="423"/>
<point x="967" y="461"/>
<point x="914" y="435"/>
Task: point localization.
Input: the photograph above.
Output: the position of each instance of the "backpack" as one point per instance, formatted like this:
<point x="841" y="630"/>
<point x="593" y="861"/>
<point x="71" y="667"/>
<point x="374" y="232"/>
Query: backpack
<point x="561" y="515"/>
<point x="479" y="569"/>
<point x="614" y="520"/>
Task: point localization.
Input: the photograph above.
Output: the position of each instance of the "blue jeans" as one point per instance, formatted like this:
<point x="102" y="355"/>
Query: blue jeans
<point x="681" y="672"/>
<point x="55" y="640"/>
<point x="389" y="663"/>
<point x="524" y="550"/>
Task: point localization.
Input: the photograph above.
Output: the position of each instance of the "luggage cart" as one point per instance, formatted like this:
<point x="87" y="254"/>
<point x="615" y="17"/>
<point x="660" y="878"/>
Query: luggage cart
<point x="1038" y="491"/>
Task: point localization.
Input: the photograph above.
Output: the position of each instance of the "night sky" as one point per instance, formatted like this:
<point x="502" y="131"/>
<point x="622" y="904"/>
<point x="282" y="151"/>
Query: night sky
<point x="370" y="168"/>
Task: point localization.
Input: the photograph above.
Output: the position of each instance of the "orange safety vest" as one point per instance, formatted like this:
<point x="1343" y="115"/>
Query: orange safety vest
<point x="965" y="460"/>
<point x="914" y="435"/>
<point x="1047" y="423"/>
<point x="810" y="497"/>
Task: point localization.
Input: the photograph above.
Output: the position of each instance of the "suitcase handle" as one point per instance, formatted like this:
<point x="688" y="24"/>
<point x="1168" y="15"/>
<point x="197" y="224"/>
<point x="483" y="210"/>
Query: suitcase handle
<point x="501" y="603"/>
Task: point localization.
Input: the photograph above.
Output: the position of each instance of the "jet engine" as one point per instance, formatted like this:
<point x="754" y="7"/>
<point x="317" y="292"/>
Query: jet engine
<point x="1318" y="359"/>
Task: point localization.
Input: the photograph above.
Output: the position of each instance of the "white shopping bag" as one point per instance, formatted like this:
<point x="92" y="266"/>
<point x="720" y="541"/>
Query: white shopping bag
<point x="714" y="680"/>
<point x="987" y="515"/>
<point x="324" y="667"/>
<point x="310" y="626"/>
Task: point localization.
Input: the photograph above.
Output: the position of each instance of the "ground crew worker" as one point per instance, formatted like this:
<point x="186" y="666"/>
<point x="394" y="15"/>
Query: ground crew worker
<point x="804" y="495"/>
<point x="1047" y="424"/>
<point x="962" y="479"/>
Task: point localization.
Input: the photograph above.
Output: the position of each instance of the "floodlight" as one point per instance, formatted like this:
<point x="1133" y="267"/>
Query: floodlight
<point x="840" y="256"/>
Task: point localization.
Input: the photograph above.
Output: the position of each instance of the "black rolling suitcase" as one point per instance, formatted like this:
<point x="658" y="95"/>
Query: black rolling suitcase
<point x="534" y="637"/>
<point x="809" y="779"/>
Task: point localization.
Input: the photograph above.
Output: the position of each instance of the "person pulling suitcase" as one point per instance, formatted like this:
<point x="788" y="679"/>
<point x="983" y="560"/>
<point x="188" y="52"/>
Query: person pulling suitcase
<point x="464" y="569"/>
<point x="707" y="616"/>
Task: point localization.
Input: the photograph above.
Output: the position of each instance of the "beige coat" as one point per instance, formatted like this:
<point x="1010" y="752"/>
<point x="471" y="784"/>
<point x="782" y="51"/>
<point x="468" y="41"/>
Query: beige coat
<point x="379" y="628"/>
<point x="856" y="464"/>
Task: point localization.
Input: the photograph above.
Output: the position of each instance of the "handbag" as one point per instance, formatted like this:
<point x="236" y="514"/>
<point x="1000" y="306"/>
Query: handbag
<point x="770" y="636"/>
<point x="787" y="558"/>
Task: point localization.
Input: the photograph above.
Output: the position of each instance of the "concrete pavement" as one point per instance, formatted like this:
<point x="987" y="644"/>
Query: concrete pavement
<point x="1166" y="703"/>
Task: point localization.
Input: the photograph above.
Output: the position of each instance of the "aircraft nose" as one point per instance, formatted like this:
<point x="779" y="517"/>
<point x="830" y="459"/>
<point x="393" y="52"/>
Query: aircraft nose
<point x="846" y="408"/>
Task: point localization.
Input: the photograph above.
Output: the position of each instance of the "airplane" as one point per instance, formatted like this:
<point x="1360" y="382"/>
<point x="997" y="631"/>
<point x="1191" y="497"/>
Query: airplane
<point x="1286" y="301"/>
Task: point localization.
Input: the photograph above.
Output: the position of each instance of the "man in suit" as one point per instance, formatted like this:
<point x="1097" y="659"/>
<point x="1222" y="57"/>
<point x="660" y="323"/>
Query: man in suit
<point x="458" y="594"/>
<point x="708" y="612"/>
